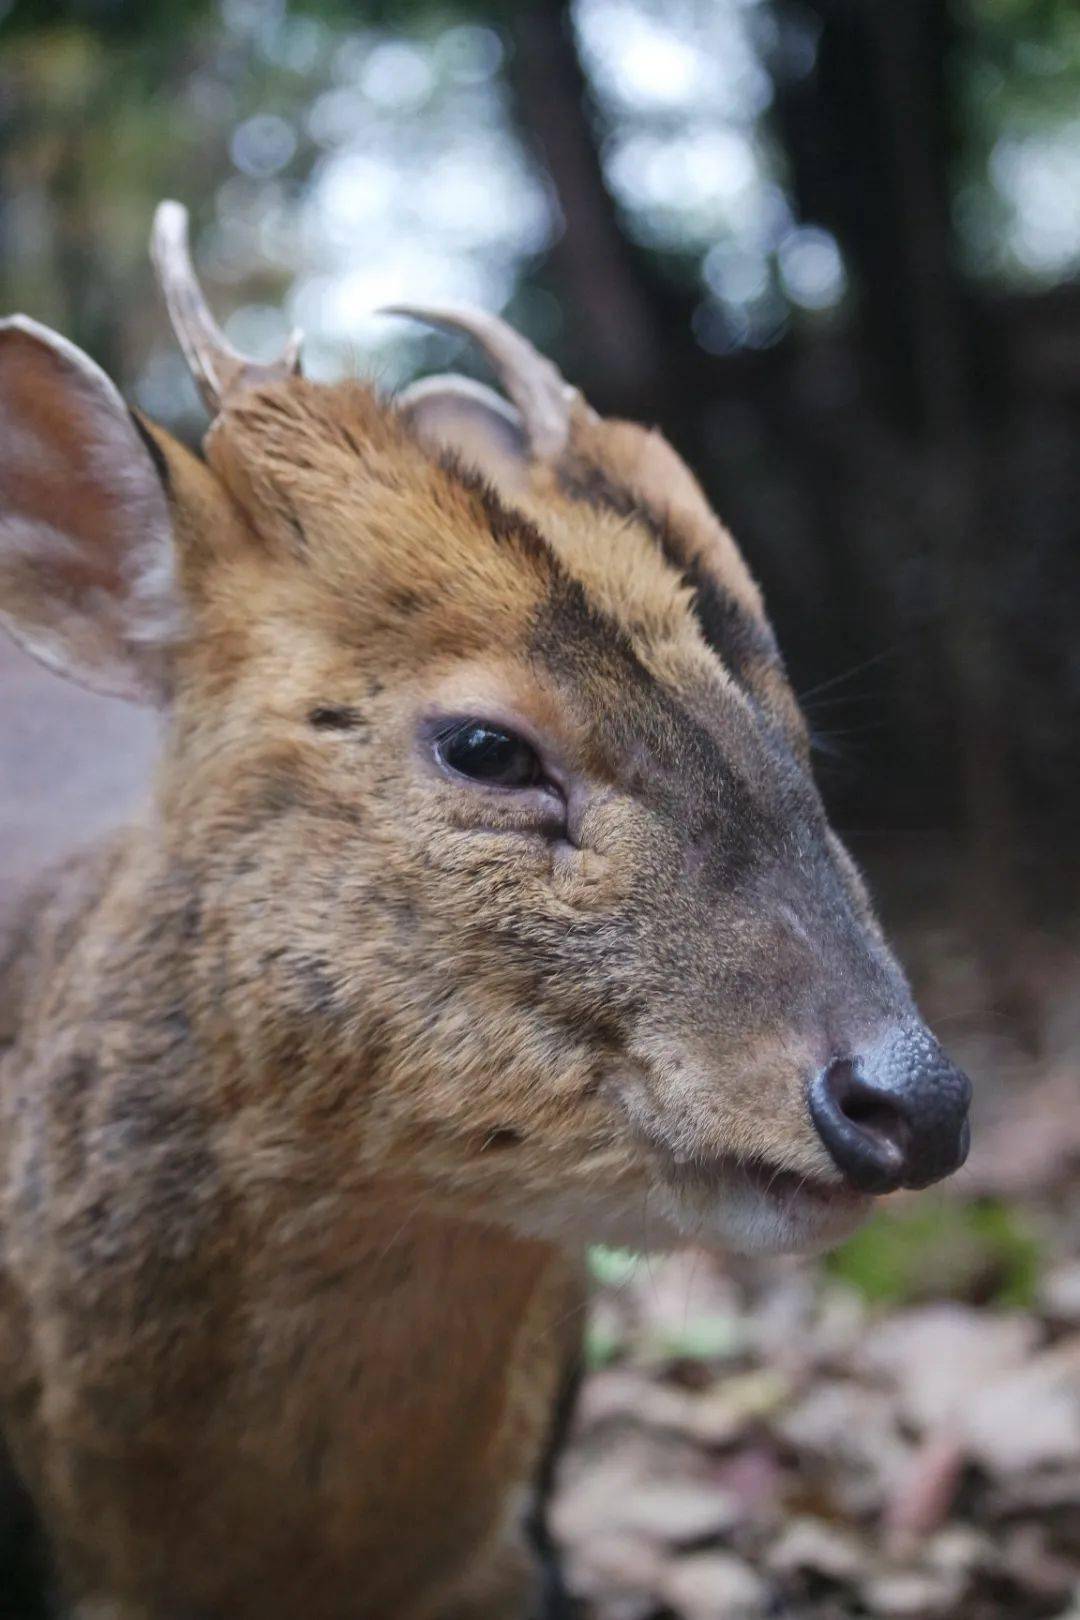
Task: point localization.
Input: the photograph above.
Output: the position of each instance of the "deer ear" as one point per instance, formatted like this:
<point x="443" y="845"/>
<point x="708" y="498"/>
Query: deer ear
<point x="480" y="427"/>
<point x="86" y="566"/>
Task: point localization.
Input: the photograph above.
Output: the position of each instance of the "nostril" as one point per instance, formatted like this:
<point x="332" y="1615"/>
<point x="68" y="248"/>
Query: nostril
<point x="863" y="1128"/>
<point x="868" y="1109"/>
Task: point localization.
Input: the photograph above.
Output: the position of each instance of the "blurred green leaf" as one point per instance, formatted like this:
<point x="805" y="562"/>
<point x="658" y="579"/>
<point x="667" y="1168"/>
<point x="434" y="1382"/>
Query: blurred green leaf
<point x="710" y="1337"/>
<point x="612" y="1268"/>
<point x="983" y="1252"/>
<point x="603" y="1343"/>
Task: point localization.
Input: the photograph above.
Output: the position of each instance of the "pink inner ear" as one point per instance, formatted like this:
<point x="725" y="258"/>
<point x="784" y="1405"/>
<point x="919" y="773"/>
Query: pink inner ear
<point x="55" y="459"/>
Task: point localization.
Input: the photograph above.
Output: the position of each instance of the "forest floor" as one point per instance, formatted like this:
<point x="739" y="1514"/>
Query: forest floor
<point x="892" y="1431"/>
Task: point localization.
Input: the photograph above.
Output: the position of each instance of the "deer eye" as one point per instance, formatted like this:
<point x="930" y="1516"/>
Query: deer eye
<point x="487" y="753"/>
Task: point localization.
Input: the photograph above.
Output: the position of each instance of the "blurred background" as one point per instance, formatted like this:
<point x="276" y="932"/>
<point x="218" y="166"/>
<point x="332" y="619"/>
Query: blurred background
<point x="831" y="247"/>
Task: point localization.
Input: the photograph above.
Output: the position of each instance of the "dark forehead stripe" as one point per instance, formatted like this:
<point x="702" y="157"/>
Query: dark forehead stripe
<point x="665" y="755"/>
<point x="743" y="642"/>
<point x="568" y="617"/>
<point x="507" y="525"/>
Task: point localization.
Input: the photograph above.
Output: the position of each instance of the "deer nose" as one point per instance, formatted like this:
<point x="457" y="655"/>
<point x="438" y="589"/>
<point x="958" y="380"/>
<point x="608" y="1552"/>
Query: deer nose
<point x="896" y="1116"/>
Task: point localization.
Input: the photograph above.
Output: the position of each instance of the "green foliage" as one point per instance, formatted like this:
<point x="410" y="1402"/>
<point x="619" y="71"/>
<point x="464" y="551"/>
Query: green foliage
<point x="692" y="1335"/>
<point x="707" y="1336"/>
<point x="612" y="1268"/>
<point x="1017" y="81"/>
<point x="983" y="1252"/>
<point x="116" y="20"/>
<point x="604" y="1343"/>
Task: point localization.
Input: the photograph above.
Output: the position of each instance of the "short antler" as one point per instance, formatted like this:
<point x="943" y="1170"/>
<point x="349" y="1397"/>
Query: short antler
<point x="219" y="369"/>
<point x="542" y="395"/>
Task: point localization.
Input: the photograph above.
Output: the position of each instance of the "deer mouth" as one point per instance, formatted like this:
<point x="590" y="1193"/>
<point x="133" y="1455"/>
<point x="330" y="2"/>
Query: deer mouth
<point x="787" y="1185"/>
<point x="754" y="1206"/>
<point x="767" y="1181"/>
<point x="741" y="1202"/>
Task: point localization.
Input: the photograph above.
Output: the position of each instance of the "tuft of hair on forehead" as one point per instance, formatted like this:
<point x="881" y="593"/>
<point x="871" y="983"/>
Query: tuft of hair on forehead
<point x="338" y="488"/>
<point x="285" y="441"/>
<point x="335" y="478"/>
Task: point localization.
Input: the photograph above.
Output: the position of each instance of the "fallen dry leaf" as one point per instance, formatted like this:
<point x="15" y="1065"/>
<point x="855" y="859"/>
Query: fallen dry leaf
<point x="714" y="1586"/>
<point x="1030" y="1418"/>
<point x="937" y="1355"/>
<point x="812" y="1546"/>
<point x="925" y="1493"/>
<point x="912" y="1594"/>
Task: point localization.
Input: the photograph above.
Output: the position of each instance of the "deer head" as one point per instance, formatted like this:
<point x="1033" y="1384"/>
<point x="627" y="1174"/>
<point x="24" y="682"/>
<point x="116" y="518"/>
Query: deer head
<point x="487" y="794"/>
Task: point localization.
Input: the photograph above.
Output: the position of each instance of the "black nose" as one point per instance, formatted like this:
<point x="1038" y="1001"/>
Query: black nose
<point x="896" y="1116"/>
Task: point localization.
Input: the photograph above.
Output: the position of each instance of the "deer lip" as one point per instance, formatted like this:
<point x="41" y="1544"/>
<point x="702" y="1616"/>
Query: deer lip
<point x="701" y="1175"/>
<point x="788" y="1186"/>
<point x="770" y="1181"/>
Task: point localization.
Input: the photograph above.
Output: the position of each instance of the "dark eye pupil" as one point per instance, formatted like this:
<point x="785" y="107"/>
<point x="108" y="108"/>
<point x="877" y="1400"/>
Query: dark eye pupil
<point x="490" y="755"/>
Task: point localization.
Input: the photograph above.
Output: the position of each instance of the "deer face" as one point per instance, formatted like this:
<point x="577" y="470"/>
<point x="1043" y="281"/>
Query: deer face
<point x="492" y="804"/>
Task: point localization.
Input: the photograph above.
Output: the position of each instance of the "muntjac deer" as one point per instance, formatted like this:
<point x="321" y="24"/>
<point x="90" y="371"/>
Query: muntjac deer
<point x="484" y="906"/>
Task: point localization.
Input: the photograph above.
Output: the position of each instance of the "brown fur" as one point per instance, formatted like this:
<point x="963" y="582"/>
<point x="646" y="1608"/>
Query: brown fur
<point x="323" y="1072"/>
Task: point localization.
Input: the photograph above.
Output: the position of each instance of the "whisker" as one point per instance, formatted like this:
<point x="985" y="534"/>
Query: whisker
<point x="647" y="1256"/>
<point x="845" y="700"/>
<point x="848" y="674"/>
<point x="848" y="731"/>
<point x="690" y="1282"/>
